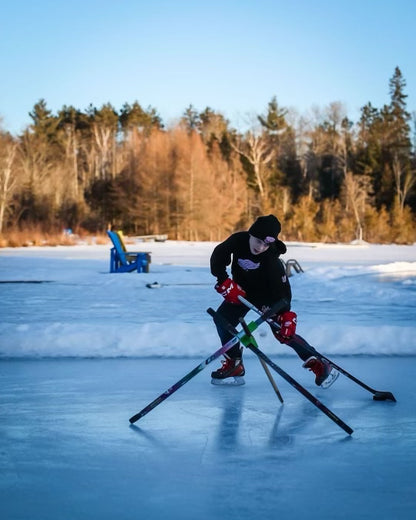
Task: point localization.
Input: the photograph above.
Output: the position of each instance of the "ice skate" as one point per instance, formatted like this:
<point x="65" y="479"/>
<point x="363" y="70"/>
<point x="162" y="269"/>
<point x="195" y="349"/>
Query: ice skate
<point x="325" y="374"/>
<point x="230" y="373"/>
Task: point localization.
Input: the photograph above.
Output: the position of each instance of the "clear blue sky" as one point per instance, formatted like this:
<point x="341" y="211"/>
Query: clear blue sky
<point x="230" y="55"/>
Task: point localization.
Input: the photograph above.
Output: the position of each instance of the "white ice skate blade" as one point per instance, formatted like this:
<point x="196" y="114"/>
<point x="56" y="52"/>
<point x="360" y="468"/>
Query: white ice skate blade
<point x="330" y="380"/>
<point x="229" y="381"/>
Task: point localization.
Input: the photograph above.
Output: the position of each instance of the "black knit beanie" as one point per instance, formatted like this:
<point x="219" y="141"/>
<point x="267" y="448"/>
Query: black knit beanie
<point x="266" y="228"/>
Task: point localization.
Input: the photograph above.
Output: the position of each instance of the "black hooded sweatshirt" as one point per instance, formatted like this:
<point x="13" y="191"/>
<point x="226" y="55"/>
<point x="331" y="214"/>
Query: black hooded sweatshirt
<point x="262" y="276"/>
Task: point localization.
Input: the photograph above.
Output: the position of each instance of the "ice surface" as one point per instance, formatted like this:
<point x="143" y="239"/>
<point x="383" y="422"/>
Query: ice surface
<point x="84" y="350"/>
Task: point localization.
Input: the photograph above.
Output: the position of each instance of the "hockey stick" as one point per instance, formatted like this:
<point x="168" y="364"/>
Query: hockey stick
<point x="298" y="340"/>
<point x="249" y="343"/>
<point x="157" y="285"/>
<point x="252" y="326"/>
<point x="272" y="381"/>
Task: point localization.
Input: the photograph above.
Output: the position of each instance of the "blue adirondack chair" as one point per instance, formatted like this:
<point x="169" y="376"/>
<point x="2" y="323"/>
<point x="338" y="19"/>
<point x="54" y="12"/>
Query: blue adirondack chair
<point x="123" y="261"/>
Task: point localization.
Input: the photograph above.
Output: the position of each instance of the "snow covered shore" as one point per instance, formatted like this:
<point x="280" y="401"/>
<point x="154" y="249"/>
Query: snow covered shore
<point x="63" y="302"/>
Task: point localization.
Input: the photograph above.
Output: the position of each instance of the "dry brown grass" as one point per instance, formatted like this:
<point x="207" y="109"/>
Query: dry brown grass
<point x="36" y="237"/>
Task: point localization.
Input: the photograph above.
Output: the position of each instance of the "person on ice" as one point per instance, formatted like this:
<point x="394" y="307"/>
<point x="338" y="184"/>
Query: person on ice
<point x="258" y="275"/>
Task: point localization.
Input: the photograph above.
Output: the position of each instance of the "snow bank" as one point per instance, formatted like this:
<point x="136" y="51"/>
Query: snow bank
<point x="62" y="302"/>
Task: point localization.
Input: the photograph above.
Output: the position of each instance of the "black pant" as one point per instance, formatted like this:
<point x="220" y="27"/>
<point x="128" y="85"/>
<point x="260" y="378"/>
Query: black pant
<point x="233" y="312"/>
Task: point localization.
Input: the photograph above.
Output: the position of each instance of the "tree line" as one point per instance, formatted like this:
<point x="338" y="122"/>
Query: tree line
<point x="326" y="177"/>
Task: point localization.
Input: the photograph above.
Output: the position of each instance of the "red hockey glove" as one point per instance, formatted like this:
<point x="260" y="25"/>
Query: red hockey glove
<point x="230" y="291"/>
<point x="287" y="321"/>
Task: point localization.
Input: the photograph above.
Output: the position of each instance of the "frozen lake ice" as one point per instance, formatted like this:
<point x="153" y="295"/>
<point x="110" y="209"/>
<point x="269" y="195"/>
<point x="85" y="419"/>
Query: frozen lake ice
<point x="68" y="451"/>
<point x="81" y="350"/>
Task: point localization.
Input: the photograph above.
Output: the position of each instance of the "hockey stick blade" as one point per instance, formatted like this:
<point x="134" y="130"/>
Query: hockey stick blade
<point x="384" y="396"/>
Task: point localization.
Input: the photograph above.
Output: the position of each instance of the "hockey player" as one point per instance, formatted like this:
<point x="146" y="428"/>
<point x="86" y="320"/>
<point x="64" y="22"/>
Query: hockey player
<point x="258" y="275"/>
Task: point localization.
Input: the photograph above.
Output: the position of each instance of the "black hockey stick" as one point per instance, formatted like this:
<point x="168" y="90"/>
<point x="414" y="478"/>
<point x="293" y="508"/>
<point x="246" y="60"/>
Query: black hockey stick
<point x="299" y="341"/>
<point x="247" y="340"/>
<point x="252" y="326"/>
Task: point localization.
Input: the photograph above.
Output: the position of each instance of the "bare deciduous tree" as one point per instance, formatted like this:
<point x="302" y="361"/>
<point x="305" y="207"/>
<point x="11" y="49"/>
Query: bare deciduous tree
<point x="404" y="180"/>
<point x="355" y="194"/>
<point x="8" y="179"/>
<point x="256" y="149"/>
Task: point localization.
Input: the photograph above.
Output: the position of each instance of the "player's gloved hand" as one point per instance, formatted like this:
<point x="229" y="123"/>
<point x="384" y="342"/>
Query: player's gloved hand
<point x="230" y="290"/>
<point x="287" y="321"/>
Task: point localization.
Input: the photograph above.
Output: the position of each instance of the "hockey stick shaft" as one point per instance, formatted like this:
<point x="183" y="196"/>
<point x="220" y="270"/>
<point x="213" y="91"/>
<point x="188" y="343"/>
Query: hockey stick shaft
<point x="167" y="393"/>
<point x="298" y="340"/>
<point x="252" y="326"/>
<point x="272" y="381"/>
